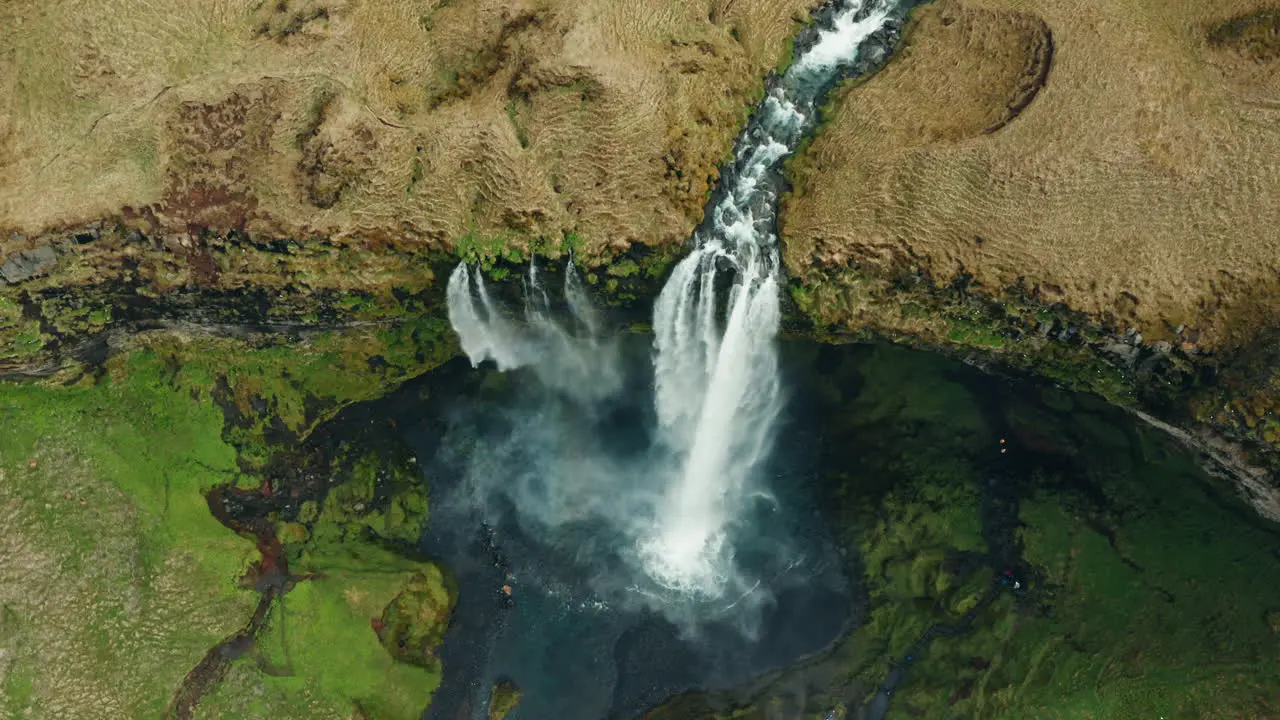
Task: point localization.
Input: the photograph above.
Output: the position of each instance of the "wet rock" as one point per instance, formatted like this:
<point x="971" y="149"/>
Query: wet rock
<point x="28" y="264"/>
<point x="503" y="698"/>
<point x="1125" y="352"/>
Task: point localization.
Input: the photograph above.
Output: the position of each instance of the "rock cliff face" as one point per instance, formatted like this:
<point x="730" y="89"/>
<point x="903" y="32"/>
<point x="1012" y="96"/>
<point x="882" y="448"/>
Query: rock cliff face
<point x="1078" y="190"/>
<point x="1026" y="179"/>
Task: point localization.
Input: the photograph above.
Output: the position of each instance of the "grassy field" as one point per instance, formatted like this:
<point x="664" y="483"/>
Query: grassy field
<point x="1149" y="593"/>
<point x="114" y="577"/>
<point x="1136" y="184"/>
<point x="409" y="121"/>
<point x="318" y="656"/>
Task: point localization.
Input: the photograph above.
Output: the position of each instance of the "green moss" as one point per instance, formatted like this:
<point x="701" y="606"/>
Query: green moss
<point x="322" y="645"/>
<point x="356" y="303"/>
<point x="1131" y="630"/>
<point x="624" y="268"/>
<point x="803" y="297"/>
<point x="109" y="478"/>
<point x="277" y="393"/>
<point x="1119" y="643"/>
<point x="787" y="55"/>
<point x="372" y="495"/>
<point x="292" y="533"/>
<point x="905" y="553"/>
<point x="10" y="311"/>
<point x="503" y="698"/>
<point x="487" y="250"/>
<point x="966" y="332"/>
<point x="412" y="625"/>
<point x="71" y="314"/>
<point x="26" y="343"/>
<point x="1145" y="589"/>
<point x="573" y="242"/>
<point x="847" y="304"/>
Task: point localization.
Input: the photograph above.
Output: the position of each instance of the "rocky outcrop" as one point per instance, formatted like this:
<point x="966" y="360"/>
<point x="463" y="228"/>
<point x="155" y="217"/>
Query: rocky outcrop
<point x="29" y="263"/>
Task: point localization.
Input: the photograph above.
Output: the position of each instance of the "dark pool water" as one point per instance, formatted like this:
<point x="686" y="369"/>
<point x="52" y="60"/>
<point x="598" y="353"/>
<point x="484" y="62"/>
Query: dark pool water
<point x="580" y="643"/>
<point x="864" y="422"/>
<point x="582" y="653"/>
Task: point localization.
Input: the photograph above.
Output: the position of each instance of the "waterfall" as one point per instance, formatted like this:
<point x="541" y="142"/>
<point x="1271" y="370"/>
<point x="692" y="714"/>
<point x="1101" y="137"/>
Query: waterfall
<point x="584" y="363"/>
<point x="716" y="391"/>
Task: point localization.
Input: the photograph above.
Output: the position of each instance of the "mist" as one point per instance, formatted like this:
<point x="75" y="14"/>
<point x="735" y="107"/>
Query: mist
<point x="585" y="460"/>
<point x="668" y="509"/>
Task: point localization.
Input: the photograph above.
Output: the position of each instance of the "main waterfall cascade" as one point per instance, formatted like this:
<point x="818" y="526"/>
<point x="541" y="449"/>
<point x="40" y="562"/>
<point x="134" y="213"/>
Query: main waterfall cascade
<point x="717" y="395"/>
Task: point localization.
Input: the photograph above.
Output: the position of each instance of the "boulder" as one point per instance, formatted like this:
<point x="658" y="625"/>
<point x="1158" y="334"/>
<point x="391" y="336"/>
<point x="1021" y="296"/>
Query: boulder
<point x="27" y="264"/>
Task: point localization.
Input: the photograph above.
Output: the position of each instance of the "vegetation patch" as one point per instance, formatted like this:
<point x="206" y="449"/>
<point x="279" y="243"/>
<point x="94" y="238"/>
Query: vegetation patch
<point x="503" y="698"/>
<point x="1019" y="331"/>
<point x="1033" y="550"/>
<point x="412" y="625"/>
<point x="320" y="654"/>
<point x="275" y="392"/>
<point x="115" y="576"/>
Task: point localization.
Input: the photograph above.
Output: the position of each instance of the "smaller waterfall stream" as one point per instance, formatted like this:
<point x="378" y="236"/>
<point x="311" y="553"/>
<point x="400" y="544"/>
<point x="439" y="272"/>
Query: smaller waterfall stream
<point x="716" y="390"/>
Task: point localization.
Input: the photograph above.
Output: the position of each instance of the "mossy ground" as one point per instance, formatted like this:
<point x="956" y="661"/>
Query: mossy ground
<point x="116" y="576"/>
<point x="1017" y="331"/>
<point x="503" y="698"/>
<point x="320" y="655"/>
<point x="276" y="390"/>
<point x="1145" y="589"/>
<point x="126" y="577"/>
<point x="356" y="630"/>
<point x="1166" y="618"/>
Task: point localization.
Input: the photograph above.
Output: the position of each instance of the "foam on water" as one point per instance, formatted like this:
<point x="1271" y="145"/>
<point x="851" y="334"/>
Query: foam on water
<point x="850" y="29"/>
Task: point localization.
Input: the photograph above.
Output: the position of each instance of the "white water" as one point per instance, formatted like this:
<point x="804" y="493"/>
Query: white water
<point x="717" y="394"/>
<point x="582" y="363"/>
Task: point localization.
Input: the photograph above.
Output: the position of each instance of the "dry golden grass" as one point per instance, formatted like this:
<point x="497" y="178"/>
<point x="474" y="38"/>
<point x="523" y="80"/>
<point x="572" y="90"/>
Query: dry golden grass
<point x="413" y="121"/>
<point x="1140" y="183"/>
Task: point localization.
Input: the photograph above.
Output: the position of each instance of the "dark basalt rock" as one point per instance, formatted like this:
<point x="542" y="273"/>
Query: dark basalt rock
<point x="27" y="264"/>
